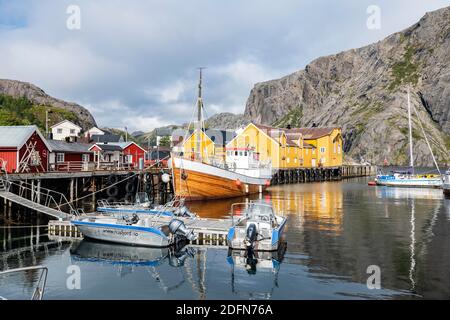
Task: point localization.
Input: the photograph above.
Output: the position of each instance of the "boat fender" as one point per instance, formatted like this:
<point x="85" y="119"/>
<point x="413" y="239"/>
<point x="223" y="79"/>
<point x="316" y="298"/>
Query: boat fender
<point x="251" y="235"/>
<point x="184" y="176"/>
<point x="238" y="182"/>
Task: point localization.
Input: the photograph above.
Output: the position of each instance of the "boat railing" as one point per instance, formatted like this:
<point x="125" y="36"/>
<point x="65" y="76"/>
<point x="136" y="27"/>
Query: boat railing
<point x="38" y="292"/>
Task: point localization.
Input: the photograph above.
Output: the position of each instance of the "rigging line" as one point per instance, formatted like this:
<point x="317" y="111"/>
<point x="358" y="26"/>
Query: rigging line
<point x="426" y="139"/>
<point x="107" y="187"/>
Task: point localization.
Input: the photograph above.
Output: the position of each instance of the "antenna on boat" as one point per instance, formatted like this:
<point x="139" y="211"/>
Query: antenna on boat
<point x="199" y="114"/>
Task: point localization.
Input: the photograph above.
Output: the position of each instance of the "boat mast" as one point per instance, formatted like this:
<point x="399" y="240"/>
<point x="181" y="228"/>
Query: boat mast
<point x="411" y="159"/>
<point x="199" y="116"/>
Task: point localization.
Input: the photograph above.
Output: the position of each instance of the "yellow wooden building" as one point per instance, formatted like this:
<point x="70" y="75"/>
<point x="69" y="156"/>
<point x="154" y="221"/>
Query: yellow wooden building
<point x="212" y="145"/>
<point x="292" y="148"/>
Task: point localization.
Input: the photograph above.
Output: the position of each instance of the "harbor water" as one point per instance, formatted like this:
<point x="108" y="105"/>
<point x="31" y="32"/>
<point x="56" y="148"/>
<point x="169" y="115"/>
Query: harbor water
<point x="337" y="234"/>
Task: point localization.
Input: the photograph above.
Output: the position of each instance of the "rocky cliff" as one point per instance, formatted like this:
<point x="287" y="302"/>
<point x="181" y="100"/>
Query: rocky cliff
<point x="37" y="96"/>
<point x="364" y="91"/>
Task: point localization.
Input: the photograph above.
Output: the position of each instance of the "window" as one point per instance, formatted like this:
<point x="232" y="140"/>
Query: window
<point x="322" y="149"/>
<point x="339" y="148"/>
<point x="72" y="131"/>
<point x="245" y="153"/>
<point x="129" y="158"/>
<point x="60" y="157"/>
<point x="59" y="130"/>
<point x="235" y="153"/>
<point x="240" y="153"/>
<point x="85" y="158"/>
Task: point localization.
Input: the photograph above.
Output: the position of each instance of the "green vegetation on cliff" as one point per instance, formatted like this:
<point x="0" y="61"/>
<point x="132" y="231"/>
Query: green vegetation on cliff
<point x="21" y="111"/>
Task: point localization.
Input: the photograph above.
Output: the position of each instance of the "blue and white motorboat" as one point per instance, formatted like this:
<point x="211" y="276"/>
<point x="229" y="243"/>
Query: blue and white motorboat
<point x="140" y="231"/>
<point x="175" y="208"/>
<point x="255" y="226"/>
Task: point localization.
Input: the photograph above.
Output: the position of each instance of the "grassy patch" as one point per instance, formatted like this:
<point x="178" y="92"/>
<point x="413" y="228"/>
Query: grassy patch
<point x="405" y="71"/>
<point x="292" y="118"/>
<point x="21" y="111"/>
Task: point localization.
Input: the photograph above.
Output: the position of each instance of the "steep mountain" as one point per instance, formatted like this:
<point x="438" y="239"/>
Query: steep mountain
<point x="364" y="91"/>
<point x="227" y="121"/>
<point x="37" y="102"/>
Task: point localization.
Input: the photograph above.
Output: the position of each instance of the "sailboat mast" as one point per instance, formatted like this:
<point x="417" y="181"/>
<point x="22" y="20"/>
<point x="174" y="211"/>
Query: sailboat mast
<point x="411" y="158"/>
<point x="199" y="117"/>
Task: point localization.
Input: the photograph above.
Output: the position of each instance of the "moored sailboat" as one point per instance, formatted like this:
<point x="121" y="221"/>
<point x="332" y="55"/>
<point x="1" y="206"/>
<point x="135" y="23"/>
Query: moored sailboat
<point x="199" y="178"/>
<point x="409" y="178"/>
<point x="446" y="185"/>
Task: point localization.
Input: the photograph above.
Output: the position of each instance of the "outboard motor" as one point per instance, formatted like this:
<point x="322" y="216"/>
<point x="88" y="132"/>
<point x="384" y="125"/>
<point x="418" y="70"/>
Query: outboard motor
<point x="251" y="235"/>
<point x="177" y="227"/>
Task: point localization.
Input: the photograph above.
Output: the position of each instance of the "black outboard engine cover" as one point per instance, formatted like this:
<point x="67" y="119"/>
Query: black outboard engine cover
<point x="251" y="235"/>
<point x="177" y="227"/>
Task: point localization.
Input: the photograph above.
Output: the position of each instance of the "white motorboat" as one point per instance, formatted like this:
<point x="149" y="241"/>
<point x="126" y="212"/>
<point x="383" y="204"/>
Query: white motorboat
<point x="255" y="226"/>
<point x="175" y="208"/>
<point x="140" y="231"/>
<point x="446" y="185"/>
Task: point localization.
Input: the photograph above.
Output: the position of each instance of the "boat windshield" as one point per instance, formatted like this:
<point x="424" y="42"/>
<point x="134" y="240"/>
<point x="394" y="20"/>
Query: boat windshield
<point x="253" y="211"/>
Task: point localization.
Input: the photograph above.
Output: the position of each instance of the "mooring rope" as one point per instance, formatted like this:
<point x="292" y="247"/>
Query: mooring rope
<point x="118" y="182"/>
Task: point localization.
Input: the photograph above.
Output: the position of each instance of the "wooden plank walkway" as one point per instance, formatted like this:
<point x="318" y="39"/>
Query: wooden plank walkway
<point x="33" y="205"/>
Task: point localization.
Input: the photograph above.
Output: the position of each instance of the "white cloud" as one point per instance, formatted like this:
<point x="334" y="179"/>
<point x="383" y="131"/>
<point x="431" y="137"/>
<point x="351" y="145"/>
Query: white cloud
<point x="135" y="64"/>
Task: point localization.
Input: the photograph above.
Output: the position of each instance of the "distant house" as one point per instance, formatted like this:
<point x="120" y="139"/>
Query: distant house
<point x="107" y="154"/>
<point x="94" y="131"/>
<point x="69" y="156"/>
<point x="132" y="153"/>
<point x="106" y="137"/>
<point x="65" y="129"/>
<point x="23" y="149"/>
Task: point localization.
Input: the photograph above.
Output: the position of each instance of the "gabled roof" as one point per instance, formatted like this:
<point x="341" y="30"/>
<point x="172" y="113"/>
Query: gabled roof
<point x="68" y="147"/>
<point x="16" y="136"/>
<point x="106" y="147"/>
<point x="70" y="122"/>
<point x="125" y="145"/>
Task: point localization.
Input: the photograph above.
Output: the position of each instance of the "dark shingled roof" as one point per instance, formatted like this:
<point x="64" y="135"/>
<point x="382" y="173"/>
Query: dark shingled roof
<point x="68" y="147"/>
<point x="105" y="138"/>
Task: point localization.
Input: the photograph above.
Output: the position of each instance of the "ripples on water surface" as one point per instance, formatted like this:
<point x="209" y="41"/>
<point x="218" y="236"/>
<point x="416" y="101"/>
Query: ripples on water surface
<point x="335" y="231"/>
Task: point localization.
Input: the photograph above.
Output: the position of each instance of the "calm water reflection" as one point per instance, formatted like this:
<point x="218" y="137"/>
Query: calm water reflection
<point x="335" y="231"/>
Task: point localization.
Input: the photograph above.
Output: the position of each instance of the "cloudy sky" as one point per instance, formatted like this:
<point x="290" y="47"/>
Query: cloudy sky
<point x="133" y="63"/>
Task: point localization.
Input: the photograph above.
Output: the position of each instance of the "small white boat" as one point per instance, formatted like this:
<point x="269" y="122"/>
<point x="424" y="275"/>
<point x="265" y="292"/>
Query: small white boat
<point x="175" y="208"/>
<point x="255" y="226"/>
<point x="446" y="185"/>
<point x="148" y="231"/>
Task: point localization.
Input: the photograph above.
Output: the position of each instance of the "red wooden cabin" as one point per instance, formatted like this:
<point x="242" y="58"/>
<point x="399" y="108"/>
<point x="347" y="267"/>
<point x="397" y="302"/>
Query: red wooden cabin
<point x="23" y="149"/>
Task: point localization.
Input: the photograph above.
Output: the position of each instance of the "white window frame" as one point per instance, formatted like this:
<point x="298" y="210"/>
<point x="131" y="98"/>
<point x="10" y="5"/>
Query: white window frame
<point x="59" y="156"/>
<point x="85" y="156"/>
<point x="322" y="149"/>
<point x="59" y="130"/>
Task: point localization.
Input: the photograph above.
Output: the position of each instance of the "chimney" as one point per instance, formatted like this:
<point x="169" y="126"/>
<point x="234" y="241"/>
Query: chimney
<point x="288" y="126"/>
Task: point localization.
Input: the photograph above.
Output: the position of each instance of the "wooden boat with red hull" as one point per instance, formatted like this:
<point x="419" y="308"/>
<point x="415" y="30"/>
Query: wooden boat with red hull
<point x="200" y="181"/>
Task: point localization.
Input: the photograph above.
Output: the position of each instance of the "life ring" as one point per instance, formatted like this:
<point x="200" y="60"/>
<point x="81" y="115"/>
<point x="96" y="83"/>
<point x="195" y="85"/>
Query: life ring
<point x="130" y="187"/>
<point x="113" y="179"/>
<point x="113" y="191"/>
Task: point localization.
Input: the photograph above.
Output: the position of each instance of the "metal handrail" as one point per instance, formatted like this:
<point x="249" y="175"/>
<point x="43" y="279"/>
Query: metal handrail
<point x="49" y="199"/>
<point x="38" y="293"/>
